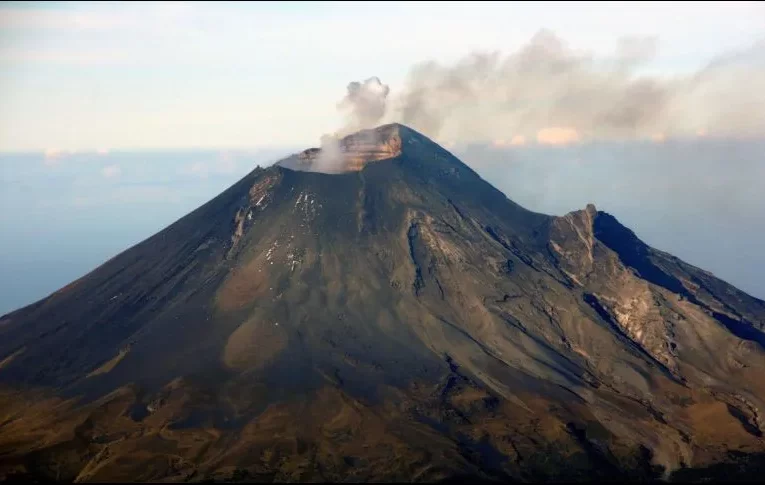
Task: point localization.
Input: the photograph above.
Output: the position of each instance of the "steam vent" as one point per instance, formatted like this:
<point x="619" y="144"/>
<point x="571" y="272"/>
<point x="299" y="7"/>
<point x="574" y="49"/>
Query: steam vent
<point x="351" y="153"/>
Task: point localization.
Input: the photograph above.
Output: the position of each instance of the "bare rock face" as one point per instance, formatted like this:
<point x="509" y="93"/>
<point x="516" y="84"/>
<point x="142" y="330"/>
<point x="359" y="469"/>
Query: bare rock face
<point x="626" y="300"/>
<point x="349" y="154"/>
<point x="403" y="320"/>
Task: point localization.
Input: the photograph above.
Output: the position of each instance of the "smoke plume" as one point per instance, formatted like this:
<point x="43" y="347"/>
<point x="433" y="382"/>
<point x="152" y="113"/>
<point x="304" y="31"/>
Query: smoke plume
<point x="330" y="158"/>
<point x="549" y="93"/>
<point x="364" y="104"/>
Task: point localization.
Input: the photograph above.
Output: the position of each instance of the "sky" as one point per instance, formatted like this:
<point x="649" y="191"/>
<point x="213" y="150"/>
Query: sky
<point x="134" y="75"/>
<point x="118" y="118"/>
<point x="64" y="215"/>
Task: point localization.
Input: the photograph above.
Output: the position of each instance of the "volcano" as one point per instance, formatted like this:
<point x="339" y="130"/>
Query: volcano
<point x="396" y="319"/>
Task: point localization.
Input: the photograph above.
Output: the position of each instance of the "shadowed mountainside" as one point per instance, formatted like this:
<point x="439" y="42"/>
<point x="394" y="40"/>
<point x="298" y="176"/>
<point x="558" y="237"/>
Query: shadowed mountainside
<point x="400" y="319"/>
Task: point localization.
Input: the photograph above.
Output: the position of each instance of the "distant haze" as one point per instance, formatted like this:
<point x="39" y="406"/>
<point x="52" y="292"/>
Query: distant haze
<point x="65" y="214"/>
<point x="693" y="199"/>
<point x="116" y="118"/>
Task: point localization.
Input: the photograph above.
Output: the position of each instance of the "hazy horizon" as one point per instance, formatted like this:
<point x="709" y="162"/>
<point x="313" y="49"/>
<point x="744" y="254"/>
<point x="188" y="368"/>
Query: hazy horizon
<point x="117" y="118"/>
<point x="693" y="199"/>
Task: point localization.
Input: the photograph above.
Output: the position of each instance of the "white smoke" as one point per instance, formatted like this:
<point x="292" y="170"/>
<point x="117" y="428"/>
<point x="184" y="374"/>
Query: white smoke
<point x="330" y="158"/>
<point x="364" y="104"/>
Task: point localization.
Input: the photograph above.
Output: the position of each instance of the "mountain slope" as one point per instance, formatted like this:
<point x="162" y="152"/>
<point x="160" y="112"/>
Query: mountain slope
<point x="400" y="319"/>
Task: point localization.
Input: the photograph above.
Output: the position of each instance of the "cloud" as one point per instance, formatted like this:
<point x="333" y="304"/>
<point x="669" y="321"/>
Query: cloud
<point x="364" y="104"/>
<point x="53" y="157"/>
<point x="633" y="50"/>
<point x="518" y="140"/>
<point x="555" y="94"/>
<point x="52" y="153"/>
<point x="557" y="136"/>
<point x="111" y="171"/>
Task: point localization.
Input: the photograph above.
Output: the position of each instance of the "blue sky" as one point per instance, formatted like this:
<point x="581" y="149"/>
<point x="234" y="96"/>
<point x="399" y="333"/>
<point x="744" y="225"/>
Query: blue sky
<point x="118" y="118"/>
